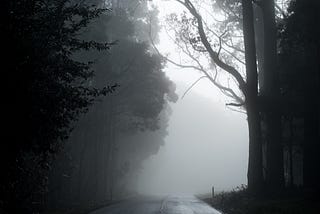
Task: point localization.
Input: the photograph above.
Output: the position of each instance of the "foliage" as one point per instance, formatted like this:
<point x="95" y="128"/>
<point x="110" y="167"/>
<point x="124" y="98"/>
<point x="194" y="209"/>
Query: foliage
<point x="47" y="88"/>
<point x="299" y="72"/>
<point x="299" y="44"/>
<point x="238" y="201"/>
<point x="127" y="126"/>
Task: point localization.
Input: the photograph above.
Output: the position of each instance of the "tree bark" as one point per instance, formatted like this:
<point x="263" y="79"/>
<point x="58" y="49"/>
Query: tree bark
<point x="255" y="179"/>
<point x="270" y="91"/>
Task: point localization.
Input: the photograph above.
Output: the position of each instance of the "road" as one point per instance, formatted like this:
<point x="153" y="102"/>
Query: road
<point x="175" y="204"/>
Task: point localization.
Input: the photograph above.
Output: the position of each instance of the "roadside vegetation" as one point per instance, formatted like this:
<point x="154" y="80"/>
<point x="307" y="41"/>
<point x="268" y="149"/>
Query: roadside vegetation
<point x="239" y="201"/>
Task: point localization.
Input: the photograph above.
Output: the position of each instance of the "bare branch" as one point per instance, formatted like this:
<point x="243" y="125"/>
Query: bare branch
<point x="224" y="42"/>
<point x="193" y="84"/>
<point x="166" y="58"/>
<point x="234" y="56"/>
<point x="235" y="104"/>
<point x="220" y="43"/>
<point x="237" y="110"/>
<point x="225" y="90"/>
<point x="213" y="55"/>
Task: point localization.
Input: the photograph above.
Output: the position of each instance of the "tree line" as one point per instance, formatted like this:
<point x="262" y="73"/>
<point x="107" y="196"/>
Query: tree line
<point x="81" y="87"/>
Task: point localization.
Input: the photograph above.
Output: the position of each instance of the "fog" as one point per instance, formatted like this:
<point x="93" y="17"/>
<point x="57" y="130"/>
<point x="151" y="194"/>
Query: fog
<point x="207" y="143"/>
<point x="206" y="146"/>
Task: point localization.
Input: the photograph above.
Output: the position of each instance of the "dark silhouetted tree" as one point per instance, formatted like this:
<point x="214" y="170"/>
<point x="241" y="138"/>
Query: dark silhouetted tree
<point x="46" y="90"/>
<point x="300" y="49"/>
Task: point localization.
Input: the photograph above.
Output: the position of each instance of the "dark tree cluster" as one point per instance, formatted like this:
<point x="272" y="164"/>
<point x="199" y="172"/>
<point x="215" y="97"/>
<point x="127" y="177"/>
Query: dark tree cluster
<point x="57" y="61"/>
<point x="45" y="90"/>
<point x="103" y="156"/>
<point x="299" y="81"/>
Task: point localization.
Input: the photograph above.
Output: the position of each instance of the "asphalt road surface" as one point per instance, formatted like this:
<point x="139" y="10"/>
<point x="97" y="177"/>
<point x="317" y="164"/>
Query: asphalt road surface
<point x="175" y="204"/>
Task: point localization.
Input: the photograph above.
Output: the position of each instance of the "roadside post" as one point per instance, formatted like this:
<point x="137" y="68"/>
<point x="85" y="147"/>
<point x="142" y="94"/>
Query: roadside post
<point x="212" y="191"/>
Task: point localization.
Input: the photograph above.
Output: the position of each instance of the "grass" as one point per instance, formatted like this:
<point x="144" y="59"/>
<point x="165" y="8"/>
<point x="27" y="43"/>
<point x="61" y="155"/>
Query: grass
<point x="239" y="201"/>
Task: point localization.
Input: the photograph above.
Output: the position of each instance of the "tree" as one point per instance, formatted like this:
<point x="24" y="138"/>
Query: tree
<point x="270" y="95"/>
<point x="197" y="33"/>
<point x="300" y="80"/>
<point x="47" y="90"/>
<point x="255" y="179"/>
<point x="126" y="119"/>
<point x="226" y="42"/>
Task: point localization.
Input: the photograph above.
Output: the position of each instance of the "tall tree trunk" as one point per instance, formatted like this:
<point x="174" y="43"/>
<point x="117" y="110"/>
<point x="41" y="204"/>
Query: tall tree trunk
<point x="311" y="145"/>
<point x="270" y="90"/>
<point x="259" y="38"/>
<point x="81" y="169"/>
<point x="255" y="179"/>
<point x="111" y="148"/>
<point x="291" y="139"/>
<point x="103" y="116"/>
<point x="105" y="142"/>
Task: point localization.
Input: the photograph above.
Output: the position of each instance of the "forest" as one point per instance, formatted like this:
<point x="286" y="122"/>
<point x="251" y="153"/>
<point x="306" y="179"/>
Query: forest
<point x="89" y="99"/>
